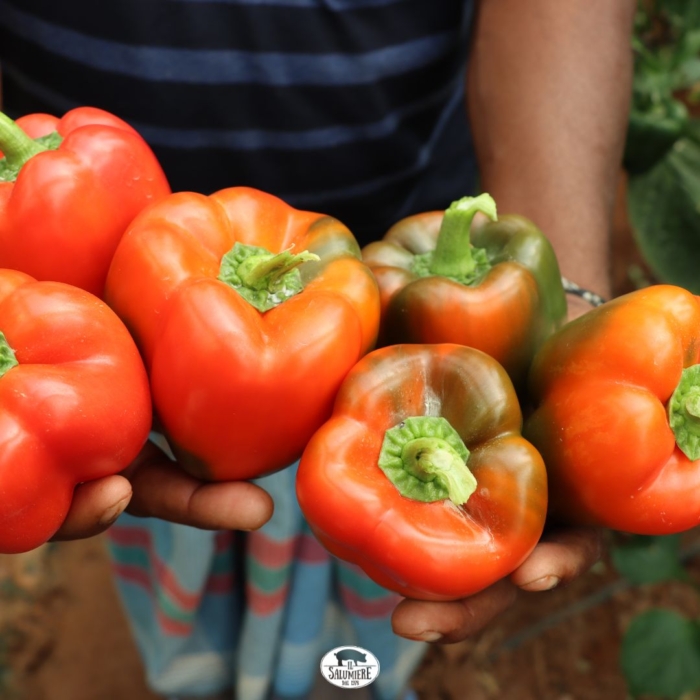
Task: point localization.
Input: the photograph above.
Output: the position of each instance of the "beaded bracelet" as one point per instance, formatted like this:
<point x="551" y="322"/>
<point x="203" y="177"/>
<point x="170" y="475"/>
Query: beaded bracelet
<point x="591" y="297"/>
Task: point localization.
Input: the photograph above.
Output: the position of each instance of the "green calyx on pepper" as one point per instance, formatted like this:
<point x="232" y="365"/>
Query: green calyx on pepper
<point x="454" y="256"/>
<point x="18" y="148"/>
<point x="425" y="458"/>
<point x="7" y="356"/>
<point x="684" y="412"/>
<point x="262" y="278"/>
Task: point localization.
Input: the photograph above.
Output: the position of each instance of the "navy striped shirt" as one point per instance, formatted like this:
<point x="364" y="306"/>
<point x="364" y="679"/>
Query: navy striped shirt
<point x="353" y="108"/>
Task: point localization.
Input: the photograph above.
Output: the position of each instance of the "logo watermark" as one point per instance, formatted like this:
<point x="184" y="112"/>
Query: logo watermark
<point x="350" y="667"/>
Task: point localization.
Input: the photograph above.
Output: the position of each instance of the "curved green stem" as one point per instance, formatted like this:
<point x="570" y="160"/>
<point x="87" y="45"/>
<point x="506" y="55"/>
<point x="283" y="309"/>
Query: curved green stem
<point x="262" y="278"/>
<point x="17" y="147"/>
<point x="425" y="458"/>
<point x="453" y="252"/>
<point x="266" y="269"/>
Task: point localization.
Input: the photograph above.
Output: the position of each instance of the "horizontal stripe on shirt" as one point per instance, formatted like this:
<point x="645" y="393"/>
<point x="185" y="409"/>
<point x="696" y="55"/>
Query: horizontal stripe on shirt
<point x="294" y="108"/>
<point x="288" y="27"/>
<point x="335" y="5"/>
<point x="230" y="67"/>
<point x="369" y="131"/>
<point x="446" y="164"/>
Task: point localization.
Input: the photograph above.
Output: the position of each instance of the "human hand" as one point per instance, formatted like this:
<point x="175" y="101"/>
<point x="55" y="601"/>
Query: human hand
<point x="153" y="486"/>
<point x="560" y="557"/>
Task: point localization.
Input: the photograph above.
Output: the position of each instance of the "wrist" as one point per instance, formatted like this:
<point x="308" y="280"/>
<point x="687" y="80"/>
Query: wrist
<point x="580" y="300"/>
<point x="574" y="290"/>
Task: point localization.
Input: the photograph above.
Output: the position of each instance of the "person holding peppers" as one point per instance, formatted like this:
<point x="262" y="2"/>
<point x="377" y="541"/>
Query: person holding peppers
<point x="355" y="109"/>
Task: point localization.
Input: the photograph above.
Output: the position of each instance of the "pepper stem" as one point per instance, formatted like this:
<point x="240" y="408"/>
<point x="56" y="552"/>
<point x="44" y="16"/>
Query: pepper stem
<point x="16" y="145"/>
<point x="266" y="269"/>
<point x="7" y="356"/>
<point x="425" y="458"/>
<point x="262" y="278"/>
<point x="684" y="412"/>
<point x="453" y="252"/>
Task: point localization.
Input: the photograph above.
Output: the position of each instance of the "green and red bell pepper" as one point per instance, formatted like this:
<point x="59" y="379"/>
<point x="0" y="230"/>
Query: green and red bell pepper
<point x="421" y="476"/>
<point x="497" y="288"/>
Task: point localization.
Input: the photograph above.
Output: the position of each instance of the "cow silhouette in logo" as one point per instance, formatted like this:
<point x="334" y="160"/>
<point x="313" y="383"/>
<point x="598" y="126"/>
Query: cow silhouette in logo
<point x="350" y="655"/>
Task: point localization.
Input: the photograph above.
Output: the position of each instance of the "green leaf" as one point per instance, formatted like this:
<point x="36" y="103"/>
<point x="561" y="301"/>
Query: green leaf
<point x="664" y="211"/>
<point x="641" y="559"/>
<point x="689" y="46"/>
<point x="661" y="654"/>
<point x="666" y="42"/>
<point x="681" y="13"/>
<point x="690" y="72"/>
<point x="692" y="131"/>
<point x="652" y="132"/>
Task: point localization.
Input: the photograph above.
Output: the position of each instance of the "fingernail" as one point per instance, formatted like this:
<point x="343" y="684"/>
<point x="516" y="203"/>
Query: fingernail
<point x="426" y="636"/>
<point x="113" y="512"/>
<point x="546" y="583"/>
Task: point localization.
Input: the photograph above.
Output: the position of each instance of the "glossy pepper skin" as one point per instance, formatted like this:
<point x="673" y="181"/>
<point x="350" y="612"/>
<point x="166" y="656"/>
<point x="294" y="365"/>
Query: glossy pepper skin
<point x="603" y="387"/>
<point x="497" y="288"/>
<point x="482" y="525"/>
<point x="66" y="200"/>
<point x="74" y="403"/>
<point x="238" y="390"/>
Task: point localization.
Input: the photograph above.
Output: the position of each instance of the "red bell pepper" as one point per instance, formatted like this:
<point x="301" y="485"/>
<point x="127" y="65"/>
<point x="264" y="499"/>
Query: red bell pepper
<point x="74" y="402"/>
<point x="421" y="476"/>
<point x="617" y="419"/>
<point x="68" y="193"/>
<point x="245" y="341"/>
<point x="497" y="288"/>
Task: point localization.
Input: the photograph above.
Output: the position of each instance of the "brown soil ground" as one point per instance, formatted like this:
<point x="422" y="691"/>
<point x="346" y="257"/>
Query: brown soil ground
<point x="63" y="635"/>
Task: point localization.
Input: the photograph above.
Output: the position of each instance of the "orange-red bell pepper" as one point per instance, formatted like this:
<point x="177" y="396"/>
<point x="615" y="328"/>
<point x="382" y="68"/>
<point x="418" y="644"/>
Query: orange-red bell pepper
<point x="249" y="313"/>
<point x="74" y="402"/>
<point x="617" y="419"/>
<point x="69" y="187"/>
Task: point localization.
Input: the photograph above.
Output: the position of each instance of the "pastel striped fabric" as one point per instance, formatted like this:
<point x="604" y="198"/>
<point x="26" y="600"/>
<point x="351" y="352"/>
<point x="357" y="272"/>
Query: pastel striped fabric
<point x="353" y="108"/>
<point x="254" y="611"/>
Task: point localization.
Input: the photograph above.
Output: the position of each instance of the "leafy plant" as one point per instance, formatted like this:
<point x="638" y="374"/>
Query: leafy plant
<point x="661" y="650"/>
<point x="662" y="152"/>
<point x="660" y="653"/>
<point x="645" y="560"/>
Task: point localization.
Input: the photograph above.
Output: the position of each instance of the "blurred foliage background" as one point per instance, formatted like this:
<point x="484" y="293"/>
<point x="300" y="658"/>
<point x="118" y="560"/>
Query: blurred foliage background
<point x="660" y="655"/>
<point x="662" y="153"/>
